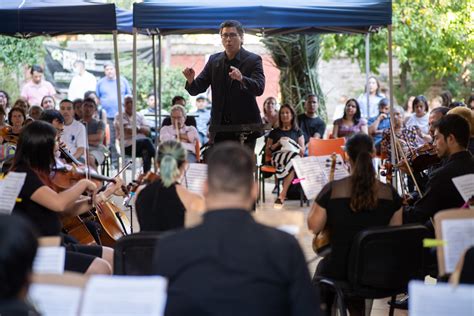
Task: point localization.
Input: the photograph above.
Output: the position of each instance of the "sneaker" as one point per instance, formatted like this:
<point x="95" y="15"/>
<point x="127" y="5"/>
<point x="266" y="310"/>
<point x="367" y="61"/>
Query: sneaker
<point x="278" y="204"/>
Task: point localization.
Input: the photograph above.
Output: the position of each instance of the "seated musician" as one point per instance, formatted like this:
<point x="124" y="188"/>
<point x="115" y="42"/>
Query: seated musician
<point x="283" y="144"/>
<point x="350" y="205"/>
<point x="469" y="116"/>
<point x="145" y="148"/>
<point x="229" y="264"/>
<point x="162" y="204"/>
<point x="43" y="206"/>
<point x="187" y="135"/>
<point x="17" y="252"/>
<point x="451" y="141"/>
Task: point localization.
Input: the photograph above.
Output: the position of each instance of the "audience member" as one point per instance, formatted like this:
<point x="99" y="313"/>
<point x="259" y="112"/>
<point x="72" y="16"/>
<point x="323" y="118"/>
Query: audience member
<point x="420" y="115"/>
<point x="203" y="116"/>
<point x="35" y="89"/>
<point x="311" y="125"/>
<point x="374" y="97"/>
<point x="74" y="134"/>
<point x="225" y="264"/>
<point x="270" y="112"/>
<point x="77" y="106"/>
<point x="95" y="133"/>
<point x="351" y="122"/>
<point x="16" y="119"/>
<point x="48" y="103"/>
<point x="187" y="135"/>
<point x="377" y="124"/>
<point x="22" y="104"/>
<point x="145" y="148"/>
<point x="35" y="112"/>
<point x="4" y="100"/>
<point x="82" y="81"/>
<point x="447" y="98"/>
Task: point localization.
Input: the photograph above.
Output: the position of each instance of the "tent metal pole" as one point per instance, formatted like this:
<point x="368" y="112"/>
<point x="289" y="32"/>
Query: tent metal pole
<point x="119" y="104"/>
<point x="154" y="93"/>
<point x="134" y="111"/>
<point x="367" y="70"/>
<point x="390" y="84"/>
<point x="159" y="79"/>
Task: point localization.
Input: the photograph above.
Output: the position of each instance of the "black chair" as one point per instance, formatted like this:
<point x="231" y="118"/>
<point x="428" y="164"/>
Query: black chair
<point x="381" y="263"/>
<point x="133" y="254"/>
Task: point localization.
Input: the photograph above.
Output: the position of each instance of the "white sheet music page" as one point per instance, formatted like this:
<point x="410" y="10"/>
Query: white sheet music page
<point x="194" y="177"/>
<point x="440" y="300"/>
<point x="10" y="187"/>
<point x="465" y="185"/>
<point x="458" y="235"/>
<point x="49" y="260"/>
<point x="125" y="295"/>
<point x="55" y="300"/>
<point x="313" y="171"/>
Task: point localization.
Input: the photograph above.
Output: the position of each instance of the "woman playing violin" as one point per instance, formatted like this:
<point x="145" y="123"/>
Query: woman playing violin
<point x="43" y="206"/>
<point x="350" y="205"/>
<point x="162" y="204"/>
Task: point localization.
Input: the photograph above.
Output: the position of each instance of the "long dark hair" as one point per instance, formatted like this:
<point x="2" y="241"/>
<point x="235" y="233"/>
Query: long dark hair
<point x="35" y="148"/>
<point x="357" y="115"/>
<point x="294" y="122"/>
<point x="363" y="183"/>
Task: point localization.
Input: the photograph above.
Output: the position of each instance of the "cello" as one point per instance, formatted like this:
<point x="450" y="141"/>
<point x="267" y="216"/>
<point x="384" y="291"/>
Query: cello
<point x="321" y="242"/>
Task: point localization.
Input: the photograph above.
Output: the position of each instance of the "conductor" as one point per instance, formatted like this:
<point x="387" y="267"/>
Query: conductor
<point x="236" y="78"/>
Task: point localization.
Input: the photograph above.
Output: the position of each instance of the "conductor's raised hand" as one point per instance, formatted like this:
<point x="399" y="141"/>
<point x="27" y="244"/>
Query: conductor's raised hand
<point x="235" y="73"/>
<point x="189" y="73"/>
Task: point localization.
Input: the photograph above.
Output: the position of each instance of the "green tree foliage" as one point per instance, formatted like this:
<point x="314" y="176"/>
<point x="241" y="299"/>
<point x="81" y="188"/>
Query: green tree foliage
<point x="297" y="57"/>
<point x="15" y="53"/>
<point x="433" y="41"/>
<point x="173" y="83"/>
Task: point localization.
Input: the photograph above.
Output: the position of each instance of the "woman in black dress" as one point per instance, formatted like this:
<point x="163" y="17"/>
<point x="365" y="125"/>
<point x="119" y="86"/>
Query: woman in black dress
<point x="35" y="156"/>
<point x="349" y="206"/>
<point x="162" y="204"/>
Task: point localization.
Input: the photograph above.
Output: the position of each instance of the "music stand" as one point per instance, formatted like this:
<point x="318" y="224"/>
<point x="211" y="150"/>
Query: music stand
<point x="243" y="130"/>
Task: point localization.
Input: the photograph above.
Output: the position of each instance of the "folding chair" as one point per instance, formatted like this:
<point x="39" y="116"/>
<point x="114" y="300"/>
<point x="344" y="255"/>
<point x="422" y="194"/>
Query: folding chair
<point x="381" y="263"/>
<point x="133" y="254"/>
<point x="324" y="147"/>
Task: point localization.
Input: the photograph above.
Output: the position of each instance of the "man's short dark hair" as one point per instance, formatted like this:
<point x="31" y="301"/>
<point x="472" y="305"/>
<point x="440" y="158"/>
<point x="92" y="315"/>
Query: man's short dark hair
<point x="230" y="169"/>
<point x="65" y="100"/>
<point x="232" y="23"/>
<point x="456" y="125"/>
<point x="51" y="115"/>
<point x="89" y="100"/>
<point x="383" y="103"/>
<point x="441" y="110"/>
<point x="177" y="98"/>
<point x="36" y="68"/>
<point x="18" y="244"/>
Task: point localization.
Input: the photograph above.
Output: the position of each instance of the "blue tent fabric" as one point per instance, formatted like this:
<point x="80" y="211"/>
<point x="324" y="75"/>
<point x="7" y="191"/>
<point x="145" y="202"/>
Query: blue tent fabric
<point x="258" y="16"/>
<point x="29" y="18"/>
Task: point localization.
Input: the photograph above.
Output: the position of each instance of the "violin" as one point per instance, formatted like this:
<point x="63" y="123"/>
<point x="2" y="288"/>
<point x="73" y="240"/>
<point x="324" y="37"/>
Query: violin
<point x="68" y="175"/>
<point x="321" y="242"/>
<point x="388" y="171"/>
<point x="6" y="132"/>
<point x="423" y="157"/>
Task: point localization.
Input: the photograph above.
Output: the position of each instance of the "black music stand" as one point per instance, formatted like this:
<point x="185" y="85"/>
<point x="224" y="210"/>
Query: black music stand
<point x="242" y="130"/>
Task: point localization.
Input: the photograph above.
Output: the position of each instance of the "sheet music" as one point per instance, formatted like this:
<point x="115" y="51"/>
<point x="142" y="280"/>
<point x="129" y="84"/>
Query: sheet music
<point x="125" y="295"/>
<point x="49" y="260"/>
<point x="314" y="172"/>
<point x="459" y="235"/>
<point x="55" y="300"/>
<point x="440" y="300"/>
<point x="465" y="185"/>
<point x="194" y="177"/>
<point x="10" y="187"/>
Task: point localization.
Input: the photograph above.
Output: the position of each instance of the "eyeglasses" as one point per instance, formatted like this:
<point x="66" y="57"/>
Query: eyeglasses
<point x="229" y="35"/>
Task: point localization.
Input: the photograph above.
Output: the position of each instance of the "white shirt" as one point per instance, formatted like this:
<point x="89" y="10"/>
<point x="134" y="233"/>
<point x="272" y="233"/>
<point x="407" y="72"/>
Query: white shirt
<point x="80" y="84"/>
<point x="74" y="136"/>
<point x="421" y="122"/>
<point x="127" y="122"/>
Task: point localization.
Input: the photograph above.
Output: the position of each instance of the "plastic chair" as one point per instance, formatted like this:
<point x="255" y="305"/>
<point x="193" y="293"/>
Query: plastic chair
<point x="323" y="147"/>
<point x="133" y="254"/>
<point x="381" y="263"/>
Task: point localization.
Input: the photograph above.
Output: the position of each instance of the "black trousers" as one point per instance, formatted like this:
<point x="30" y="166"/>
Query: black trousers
<point x="145" y="150"/>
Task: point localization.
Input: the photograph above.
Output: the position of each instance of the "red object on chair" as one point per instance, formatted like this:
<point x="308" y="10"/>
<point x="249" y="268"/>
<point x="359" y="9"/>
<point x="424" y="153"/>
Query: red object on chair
<point x="323" y="147"/>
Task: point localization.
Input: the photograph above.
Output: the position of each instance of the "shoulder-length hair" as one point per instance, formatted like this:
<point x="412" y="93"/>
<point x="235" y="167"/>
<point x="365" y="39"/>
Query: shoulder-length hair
<point x="357" y="115"/>
<point x="294" y="122"/>
<point x="35" y="148"/>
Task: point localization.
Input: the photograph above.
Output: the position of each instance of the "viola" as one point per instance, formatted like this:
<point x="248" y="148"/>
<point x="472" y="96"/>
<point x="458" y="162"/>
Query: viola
<point x="6" y="132"/>
<point x="423" y="157"/>
<point x="65" y="177"/>
<point x="321" y="242"/>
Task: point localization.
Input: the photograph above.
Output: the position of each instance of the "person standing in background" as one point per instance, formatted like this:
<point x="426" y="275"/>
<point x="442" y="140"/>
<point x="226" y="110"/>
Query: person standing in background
<point x="373" y="90"/>
<point x="35" y="89"/>
<point x="82" y="81"/>
<point x="106" y="91"/>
